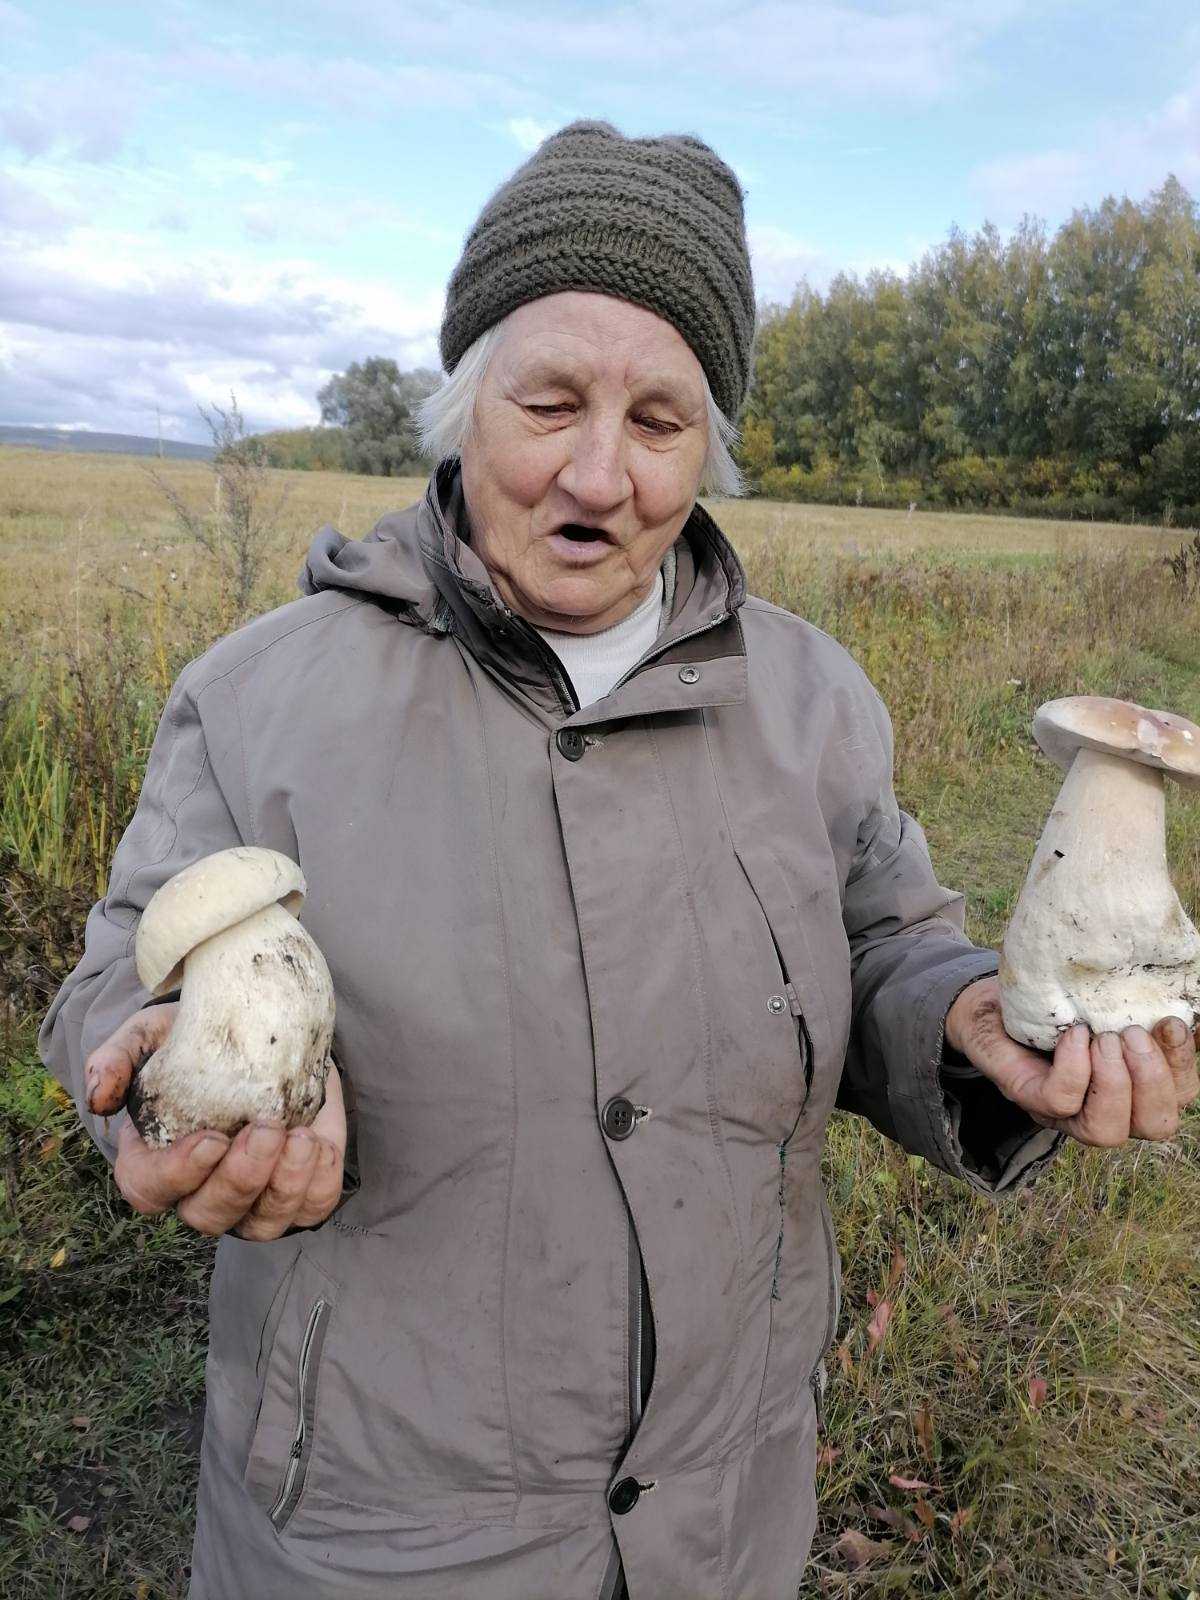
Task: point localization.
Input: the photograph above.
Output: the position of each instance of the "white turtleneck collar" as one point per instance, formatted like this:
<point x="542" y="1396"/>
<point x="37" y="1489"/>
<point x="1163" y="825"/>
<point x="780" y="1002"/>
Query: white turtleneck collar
<point x="595" y="662"/>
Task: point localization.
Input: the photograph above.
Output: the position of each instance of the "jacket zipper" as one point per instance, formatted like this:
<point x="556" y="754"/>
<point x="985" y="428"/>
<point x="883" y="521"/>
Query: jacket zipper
<point x="657" y="650"/>
<point x="559" y="677"/>
<point x="293" y="1482"/>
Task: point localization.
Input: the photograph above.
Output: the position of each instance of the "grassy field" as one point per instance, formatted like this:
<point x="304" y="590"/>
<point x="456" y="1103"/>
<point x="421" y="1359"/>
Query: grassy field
<point x="1039" y="1381"/>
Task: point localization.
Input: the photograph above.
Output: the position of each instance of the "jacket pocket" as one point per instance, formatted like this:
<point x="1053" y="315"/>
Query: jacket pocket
<point x="281" y="1446"/>
<point x="292" y="1486"/>
<point x="789" y="997"/>
<point x="803" y="911"/>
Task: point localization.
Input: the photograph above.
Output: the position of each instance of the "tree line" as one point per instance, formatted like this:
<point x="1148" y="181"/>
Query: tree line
<point x="1042" y="374"/>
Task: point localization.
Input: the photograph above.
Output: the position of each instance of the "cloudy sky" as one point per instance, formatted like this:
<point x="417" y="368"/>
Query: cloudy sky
<point x="199" y="197"/>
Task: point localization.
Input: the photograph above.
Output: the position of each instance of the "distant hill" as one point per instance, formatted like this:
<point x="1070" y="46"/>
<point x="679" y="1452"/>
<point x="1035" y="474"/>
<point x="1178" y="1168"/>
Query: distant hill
<point x="122" y="444"/>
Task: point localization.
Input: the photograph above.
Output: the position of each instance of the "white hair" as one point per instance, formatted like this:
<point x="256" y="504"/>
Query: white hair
<point x="445" y="419"/>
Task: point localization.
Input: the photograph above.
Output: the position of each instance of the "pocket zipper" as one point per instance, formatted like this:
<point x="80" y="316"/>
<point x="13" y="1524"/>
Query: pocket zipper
<point x="289" y="1494"/>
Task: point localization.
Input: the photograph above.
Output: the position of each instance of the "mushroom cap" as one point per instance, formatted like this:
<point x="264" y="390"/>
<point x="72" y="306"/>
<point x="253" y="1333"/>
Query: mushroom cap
<point x="213" y="894"/>
<point x="1119" y="728"/>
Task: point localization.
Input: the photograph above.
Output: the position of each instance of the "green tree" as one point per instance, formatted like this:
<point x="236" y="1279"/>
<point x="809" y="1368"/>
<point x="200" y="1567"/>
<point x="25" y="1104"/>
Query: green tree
<point x="1162" y="342"/>
<point x="1064" y="367"/>
<point x="971" y="302"/>
<point x="376" y="404"/>
<point x="1115" y="328"/>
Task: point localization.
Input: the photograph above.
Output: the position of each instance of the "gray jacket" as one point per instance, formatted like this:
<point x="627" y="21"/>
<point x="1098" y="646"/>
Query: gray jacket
<point x="601" y="977"/>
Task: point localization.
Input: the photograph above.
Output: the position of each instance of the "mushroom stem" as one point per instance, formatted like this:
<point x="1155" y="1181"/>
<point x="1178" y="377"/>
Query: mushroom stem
<point x="251" y="1039"/>
<point x="1098" y="934"/>
<point x="1106" y="833"/>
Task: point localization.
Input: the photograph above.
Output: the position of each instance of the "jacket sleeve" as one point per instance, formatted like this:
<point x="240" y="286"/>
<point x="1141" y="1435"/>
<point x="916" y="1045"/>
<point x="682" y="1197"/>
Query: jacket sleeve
<point x="910" y="960"/>
<point x="182" y="814"/>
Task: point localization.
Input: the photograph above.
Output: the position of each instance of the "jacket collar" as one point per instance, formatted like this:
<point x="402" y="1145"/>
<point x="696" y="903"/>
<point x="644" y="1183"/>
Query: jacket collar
<point x="699" y="659"/>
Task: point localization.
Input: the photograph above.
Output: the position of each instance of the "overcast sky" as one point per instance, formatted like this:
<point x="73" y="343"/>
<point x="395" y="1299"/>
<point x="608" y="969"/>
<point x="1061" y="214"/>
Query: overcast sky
<point x="199" y="197"/>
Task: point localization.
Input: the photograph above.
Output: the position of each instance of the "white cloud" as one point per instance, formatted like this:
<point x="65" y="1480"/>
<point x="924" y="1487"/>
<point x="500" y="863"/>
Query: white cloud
<point x="305" y="214"/>
<point x="263" y="223"/>
<point x="220" y="170"/>
<point x="528" y="132"/>
<point x="1121" y="156"/>
<point x="909" y="51"/>
<point x="105" y="328"/>
<point x="342" y="83"/>
<point x="26" y="210"/>
<point x="1047" y="182"/>
<point x="88" y="110"/>
<point x="779" y="260"/>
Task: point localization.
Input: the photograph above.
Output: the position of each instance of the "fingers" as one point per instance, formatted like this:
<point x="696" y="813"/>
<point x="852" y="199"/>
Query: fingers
<point x="1102" y="1091"/>
<point x="107" y="1072"/>
<point x="330" y="1121"/>
<point x="279" y="1203"/>
<point x="324" y="1189"/>
<point x="269" y="1182"/>
<point x="1019" y="1073"/>
<point x="1178" y="1044"/>
<point x="1104" y="1117"/>
<point x="258" y="1185"/>
<point x="1065" y="1085"/>
<point x="307" y="1183"/>
<point x="1155" y="1104"/>
<point x="153" y="1181"/>
<point x="1051" y="1091"/>
<point x="1134" y="1093"/>
<point x="236" y="1182"/>
<point x="325" y="1186"/>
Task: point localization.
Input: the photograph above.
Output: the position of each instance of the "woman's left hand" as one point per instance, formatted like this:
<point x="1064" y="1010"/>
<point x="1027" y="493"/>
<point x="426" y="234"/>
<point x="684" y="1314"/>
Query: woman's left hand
<point x="1101" y="1090"/>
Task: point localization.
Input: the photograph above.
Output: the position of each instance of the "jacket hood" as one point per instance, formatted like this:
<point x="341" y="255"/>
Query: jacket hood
<point x="386" y="564"/>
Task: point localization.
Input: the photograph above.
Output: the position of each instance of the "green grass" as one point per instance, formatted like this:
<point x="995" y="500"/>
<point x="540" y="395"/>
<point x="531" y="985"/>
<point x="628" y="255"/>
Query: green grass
<point x="1086" y="1284"/>
<point x="102" y="1349"/>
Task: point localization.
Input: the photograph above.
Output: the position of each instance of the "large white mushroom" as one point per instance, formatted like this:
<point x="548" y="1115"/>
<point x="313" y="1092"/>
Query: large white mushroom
<point x="1098" y="934"/>
<point x="251" y="1038"/>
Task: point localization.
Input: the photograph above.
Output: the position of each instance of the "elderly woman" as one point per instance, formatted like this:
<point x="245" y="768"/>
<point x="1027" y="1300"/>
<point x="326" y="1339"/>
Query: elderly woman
<point x="604" y="857"/>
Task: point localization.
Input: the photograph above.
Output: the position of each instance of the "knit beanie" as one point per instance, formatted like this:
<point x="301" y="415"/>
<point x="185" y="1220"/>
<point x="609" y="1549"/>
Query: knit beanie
<point x="657" y="222"/>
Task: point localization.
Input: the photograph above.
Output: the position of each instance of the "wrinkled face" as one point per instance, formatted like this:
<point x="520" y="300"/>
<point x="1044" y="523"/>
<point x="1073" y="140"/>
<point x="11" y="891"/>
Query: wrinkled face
<point x="585" y="459"/>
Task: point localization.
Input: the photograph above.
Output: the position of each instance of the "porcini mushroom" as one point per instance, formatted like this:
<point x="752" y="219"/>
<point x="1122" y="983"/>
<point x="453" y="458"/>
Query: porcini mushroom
<point x="252" y="1035"/>
<point x="1098" y="934"/>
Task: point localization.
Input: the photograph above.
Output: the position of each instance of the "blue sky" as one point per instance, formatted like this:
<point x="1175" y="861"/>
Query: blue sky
<point x="204" y="197"/>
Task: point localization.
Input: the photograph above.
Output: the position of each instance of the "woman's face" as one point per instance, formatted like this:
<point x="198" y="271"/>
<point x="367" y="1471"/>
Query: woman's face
<point x="585" y="458"/>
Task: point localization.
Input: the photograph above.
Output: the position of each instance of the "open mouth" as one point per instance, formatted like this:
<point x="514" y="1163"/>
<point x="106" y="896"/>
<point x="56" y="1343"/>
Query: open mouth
<point x="576" y="544"/>
<point x="580" y="533"/>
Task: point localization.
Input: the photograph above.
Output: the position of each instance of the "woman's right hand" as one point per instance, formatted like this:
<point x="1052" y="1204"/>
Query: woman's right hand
<point x="257" y="1185"/>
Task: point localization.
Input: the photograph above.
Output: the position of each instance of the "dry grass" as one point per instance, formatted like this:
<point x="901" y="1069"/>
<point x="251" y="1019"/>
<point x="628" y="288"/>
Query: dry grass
<point x="1042" y="1369"/>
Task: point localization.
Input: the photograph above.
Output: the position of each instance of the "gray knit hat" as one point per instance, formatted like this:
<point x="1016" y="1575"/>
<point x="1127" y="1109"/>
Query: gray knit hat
<point x="654" y="221"/>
